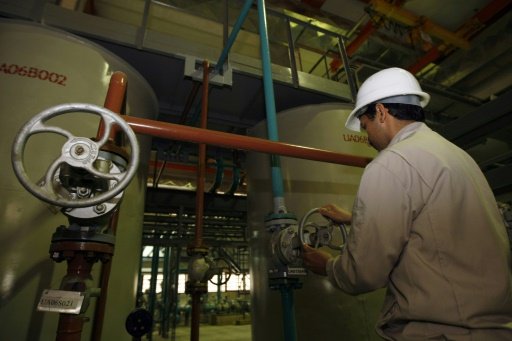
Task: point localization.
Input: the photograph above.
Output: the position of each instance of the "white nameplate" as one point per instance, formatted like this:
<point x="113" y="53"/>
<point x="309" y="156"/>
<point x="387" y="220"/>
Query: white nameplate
<point x="60" y="301"/>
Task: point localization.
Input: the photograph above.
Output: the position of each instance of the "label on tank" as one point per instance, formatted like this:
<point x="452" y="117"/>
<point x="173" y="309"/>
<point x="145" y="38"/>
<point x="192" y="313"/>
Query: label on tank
<point x="60" y="301"/>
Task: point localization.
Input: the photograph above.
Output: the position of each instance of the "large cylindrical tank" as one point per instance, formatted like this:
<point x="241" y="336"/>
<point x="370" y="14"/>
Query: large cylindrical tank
<point x="322" y="311"/>
<point x="41" y="67"/>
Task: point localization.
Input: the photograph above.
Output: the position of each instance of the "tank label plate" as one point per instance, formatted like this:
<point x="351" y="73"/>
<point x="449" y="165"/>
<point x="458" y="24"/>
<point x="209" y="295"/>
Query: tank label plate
<point x="60" y="301"/>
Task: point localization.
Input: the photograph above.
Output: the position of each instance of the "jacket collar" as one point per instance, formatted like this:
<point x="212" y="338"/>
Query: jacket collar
<point x="407" y="131"/>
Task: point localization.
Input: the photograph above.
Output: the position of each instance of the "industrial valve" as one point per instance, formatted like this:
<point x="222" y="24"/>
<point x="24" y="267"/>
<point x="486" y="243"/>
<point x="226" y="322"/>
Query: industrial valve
<point x="83" y="175"/>
<point x="220" y="271"/>
<point x="87" y="181"/>
<point x="288" y="237"/>
<point x="322" y="234"/>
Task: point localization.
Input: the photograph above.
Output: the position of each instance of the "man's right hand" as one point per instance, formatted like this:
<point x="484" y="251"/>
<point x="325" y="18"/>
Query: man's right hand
<point x="336" y="214"/>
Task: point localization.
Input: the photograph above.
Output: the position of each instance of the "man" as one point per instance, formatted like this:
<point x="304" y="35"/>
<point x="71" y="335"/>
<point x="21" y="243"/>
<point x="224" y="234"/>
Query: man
<point x="425" y="225"/>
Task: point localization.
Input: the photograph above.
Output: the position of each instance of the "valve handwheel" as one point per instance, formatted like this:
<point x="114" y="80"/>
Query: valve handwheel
<point x="322" y="238"/>
<point x="78" y="152"/>
<point x="222" y="270"/>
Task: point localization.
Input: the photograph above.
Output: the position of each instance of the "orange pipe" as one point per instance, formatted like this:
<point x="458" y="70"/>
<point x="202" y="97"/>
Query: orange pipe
<point x="178" y="132"/>
<point x="201" y="162"/>
<point x="114" y="99"/>
<point x="355" y="44"/>
<point x="467" y="30"/>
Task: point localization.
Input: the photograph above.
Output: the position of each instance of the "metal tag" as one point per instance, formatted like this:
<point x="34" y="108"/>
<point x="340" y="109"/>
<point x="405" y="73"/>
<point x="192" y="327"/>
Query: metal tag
<point x="60" y="301"/>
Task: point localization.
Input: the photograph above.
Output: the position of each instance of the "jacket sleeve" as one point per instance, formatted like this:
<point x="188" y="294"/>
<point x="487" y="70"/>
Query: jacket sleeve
<point x="381" y="222"/>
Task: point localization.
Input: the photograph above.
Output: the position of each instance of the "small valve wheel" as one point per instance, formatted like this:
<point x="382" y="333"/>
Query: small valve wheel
<point x="321" y="235"/>
<point x="139" y="322"/>
<point x="220" y="272"/>
<point x="78" y="152"/>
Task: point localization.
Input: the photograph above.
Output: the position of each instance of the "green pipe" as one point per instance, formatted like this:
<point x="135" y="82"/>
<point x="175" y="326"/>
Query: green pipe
<point x="219" y="175"/>
<point x="234" y="32"/>
<point x="287" y="302"/>
<point x="270" y="106"/>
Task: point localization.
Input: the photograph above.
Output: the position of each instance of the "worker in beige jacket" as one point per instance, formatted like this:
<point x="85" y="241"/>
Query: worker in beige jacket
<point x="425" y="224"/>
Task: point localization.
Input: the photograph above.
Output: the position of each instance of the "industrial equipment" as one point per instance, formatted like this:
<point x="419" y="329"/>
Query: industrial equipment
<point x="86" y="181"/>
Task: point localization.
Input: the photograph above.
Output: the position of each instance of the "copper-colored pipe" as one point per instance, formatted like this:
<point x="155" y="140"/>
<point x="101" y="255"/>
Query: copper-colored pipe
<point x="233" y="141"/>
<point x="201" y="171"/>
<point x="195" y="316"/>
<point x="201" y="162"/>
<point x="114" y="102"/>
<point x="115" y="98"/>
<point x="70" y="326"/>
<point x="101" y="303"/>
<point x="467" y="30"/>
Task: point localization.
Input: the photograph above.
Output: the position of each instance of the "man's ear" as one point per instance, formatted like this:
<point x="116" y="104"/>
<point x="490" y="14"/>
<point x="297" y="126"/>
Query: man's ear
<point x="381" y="112"/>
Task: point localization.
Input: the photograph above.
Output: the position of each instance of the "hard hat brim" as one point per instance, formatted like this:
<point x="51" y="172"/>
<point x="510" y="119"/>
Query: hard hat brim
<point x="353" y="123"/>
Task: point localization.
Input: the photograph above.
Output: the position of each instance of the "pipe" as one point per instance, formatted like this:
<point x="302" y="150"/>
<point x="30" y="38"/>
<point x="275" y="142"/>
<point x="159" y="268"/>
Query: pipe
<point x="155" y="262"/>
<point x="233" y="35"/>
<point x="198" y="238"/>
<point x="201" y="162"/>
<point x="79" y="270"/>
<point x="219" y="175"/>
<point x="270" y="106"/>
<point x="290" y="332"/>
<point x="467" y="30"/>
<point x="164" y="312"/>
<point x="233" y="141"/>
<point x="410" y="19"/>
<point x="114" y="101"/>
<point x="287" y="302"/>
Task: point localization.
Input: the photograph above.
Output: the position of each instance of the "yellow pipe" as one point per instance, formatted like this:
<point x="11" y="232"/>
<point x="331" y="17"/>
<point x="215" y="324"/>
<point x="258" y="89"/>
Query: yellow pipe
<point x="410" y="19"/>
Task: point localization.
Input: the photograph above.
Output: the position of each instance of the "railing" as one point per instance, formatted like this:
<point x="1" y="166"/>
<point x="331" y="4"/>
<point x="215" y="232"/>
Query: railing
<point x="305" y="52"/>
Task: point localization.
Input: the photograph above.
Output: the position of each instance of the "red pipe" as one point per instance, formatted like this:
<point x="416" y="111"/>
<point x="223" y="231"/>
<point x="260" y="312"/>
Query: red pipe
<point x="467" y="30"/>
<point x="201" y="162"/>
<point x="115" y="98"/>
<point x="114" y="102"/>
<point x="178" y="132"/>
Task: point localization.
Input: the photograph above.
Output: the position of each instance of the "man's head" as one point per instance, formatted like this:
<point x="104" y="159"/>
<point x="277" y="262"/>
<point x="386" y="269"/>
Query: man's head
<point x="395" y="88"/>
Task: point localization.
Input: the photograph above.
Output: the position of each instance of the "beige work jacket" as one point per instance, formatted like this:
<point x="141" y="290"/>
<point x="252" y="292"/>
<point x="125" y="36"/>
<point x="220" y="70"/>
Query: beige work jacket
<point x="426" y="226"/>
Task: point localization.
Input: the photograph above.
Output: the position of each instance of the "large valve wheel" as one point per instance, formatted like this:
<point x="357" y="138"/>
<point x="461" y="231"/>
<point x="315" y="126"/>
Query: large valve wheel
<point x="78" y="152"/>
<point x="320" y="235"/>
<point x="221" y="272"/>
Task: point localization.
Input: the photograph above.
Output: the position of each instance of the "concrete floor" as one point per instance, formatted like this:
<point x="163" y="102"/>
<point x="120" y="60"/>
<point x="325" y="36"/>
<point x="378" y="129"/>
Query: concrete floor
<point x="212" y="333"/>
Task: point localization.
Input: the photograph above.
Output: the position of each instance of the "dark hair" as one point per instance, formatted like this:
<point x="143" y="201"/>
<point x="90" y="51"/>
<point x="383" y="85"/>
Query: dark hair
<point x="400" y="111"/>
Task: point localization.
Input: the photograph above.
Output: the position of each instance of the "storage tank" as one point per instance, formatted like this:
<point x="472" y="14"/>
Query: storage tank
<point x="322" y="311"/>
<point x="41" y="67"/>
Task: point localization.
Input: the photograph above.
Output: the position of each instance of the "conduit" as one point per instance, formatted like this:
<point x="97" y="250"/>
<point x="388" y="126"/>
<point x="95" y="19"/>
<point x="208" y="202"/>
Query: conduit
<point x="270" y="107"/>
<point x="114" y="101"/>
<point x="198" y="246"/>
<point x="178" y="132"/>
<point x="234" y="32"/>
<point x="290" y="332"/>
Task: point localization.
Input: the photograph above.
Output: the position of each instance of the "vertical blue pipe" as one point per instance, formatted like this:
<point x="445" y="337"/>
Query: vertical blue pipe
<point x="234" y="33"/>
<point x="290" y="329"/>
<point x="270" y="106"/>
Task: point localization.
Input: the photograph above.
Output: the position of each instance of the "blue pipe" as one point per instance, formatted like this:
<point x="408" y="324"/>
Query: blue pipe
<point x="290" y="329"/>
<point x="219" y="175"/>
<point x="233" y="34"/>
<point x="270" y="106"/>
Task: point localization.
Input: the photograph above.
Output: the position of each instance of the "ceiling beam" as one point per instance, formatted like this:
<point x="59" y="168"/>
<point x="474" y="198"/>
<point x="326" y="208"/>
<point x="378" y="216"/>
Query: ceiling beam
<point x="468" y="30"/>
<point x="486" y="119"/>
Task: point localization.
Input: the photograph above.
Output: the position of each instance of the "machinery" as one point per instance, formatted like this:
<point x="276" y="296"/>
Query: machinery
<point x="86" y="181"/>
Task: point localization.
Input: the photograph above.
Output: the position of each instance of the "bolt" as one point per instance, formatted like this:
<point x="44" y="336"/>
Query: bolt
<point x="79" y="150"/>
<point x="101" y="208"/>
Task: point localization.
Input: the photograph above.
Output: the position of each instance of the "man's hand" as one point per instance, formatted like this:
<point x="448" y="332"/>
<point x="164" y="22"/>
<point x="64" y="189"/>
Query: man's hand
<point x="336" y="214"/>
<point x="315" y="260"/>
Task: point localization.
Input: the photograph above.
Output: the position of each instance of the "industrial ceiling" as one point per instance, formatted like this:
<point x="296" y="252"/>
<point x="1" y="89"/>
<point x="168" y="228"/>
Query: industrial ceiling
<point x="461" y="51"/>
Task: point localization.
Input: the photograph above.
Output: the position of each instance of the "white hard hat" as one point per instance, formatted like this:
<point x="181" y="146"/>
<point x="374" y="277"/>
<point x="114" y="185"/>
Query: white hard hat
<point x="393" y="82"/>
